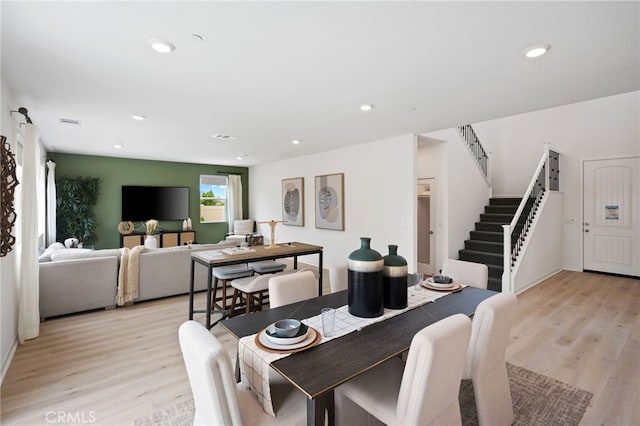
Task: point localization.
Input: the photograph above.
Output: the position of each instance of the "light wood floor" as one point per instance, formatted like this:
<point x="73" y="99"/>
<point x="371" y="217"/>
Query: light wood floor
<point x="118" y="365"/>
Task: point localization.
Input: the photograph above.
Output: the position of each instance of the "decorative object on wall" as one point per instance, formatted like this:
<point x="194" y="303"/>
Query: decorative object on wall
<point x="329" y="196"/>
<point x="76" y="196"/>
<point x="126" y="228"/>
<point x="365" y="284"/>
<point x="293" y="201"/>
<point x="8" y="183"/>
<point x="394" y="278"/>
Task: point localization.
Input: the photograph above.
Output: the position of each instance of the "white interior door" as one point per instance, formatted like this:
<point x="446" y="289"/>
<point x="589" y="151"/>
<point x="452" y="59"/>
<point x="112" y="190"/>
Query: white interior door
<point x="426" y="226"/>
<point x="612" y="216"/>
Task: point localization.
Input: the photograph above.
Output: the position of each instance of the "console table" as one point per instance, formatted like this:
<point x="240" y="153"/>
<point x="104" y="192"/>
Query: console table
<point x="213" y="258"/>
<point x="166" y="238"/>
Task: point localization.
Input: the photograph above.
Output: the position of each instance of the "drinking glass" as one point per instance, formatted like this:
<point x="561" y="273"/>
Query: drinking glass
<point x="328" y="321"/>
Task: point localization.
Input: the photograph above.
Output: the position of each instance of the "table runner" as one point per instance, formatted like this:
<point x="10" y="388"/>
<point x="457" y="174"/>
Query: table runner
<point x="255" y="363"/>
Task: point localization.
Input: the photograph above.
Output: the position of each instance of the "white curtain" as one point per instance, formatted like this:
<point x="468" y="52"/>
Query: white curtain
<point x="51" y="202"/>
<point x="29" y="310"/>
<point x="234" y="199"/>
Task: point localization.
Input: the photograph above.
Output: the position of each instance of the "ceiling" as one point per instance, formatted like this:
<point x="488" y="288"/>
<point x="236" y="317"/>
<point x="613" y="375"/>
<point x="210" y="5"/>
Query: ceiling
<point x="267" y="73"/>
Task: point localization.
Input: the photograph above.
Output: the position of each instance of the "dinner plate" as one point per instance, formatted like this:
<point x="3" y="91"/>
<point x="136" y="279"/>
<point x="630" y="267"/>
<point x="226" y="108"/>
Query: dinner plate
<point x="270" y="332"/>
<point x="456" y="287"/>
<point x="447" y="286"/>
<point x="310" y="339"/>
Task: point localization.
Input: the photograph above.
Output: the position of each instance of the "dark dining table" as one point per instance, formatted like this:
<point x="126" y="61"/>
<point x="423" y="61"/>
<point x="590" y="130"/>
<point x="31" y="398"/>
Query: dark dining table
<point x="319" y="370"/>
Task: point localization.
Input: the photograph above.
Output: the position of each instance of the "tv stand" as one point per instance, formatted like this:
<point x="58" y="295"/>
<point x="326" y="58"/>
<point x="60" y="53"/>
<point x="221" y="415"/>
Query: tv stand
<point x="166" y="238"/>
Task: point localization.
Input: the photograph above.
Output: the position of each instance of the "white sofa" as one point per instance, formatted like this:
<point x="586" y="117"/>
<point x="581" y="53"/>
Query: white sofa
<point x="167" y="271"/>
<point x="76" y="280"/>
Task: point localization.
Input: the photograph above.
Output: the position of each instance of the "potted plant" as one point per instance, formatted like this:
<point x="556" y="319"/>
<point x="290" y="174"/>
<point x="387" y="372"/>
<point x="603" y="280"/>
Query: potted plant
<point x="151" y="240"/>
<point x="75" y="198"/>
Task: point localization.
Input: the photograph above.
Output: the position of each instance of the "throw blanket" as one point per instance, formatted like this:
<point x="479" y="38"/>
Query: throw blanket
<point x="128" y="277"/>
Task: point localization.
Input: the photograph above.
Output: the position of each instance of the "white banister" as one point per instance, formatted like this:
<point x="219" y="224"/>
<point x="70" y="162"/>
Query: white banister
<point x="509" y="256"/>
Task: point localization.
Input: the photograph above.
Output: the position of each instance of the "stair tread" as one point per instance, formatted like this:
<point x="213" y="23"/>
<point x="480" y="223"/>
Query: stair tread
<point x="486" y="253"/>
<point x="494" y="243"/>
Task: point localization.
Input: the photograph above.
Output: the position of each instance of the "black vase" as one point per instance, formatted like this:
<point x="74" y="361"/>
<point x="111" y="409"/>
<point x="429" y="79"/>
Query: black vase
<point x="395" y="280"/>
<point x="365" y="286"/>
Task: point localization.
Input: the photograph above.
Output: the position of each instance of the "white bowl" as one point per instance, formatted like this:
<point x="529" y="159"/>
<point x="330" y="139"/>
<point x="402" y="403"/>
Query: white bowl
<point x="287" y="327"/>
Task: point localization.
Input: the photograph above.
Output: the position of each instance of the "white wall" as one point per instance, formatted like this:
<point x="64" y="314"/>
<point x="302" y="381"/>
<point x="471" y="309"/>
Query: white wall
<point x="8" y="269"/>
<point x="542" y="256"/>
<point x="462" y="191"/>
<point x="600" y="128"/>
<point x="379" y="188"/>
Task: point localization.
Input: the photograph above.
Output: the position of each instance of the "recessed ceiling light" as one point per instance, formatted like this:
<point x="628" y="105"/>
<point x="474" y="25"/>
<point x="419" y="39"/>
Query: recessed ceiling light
<point x="223" y="136"/>
<point x="536" y="50"/>
<point x="295" y="142"/>
<point x="70" y="121"/>
<point x="238" y="158"/>
<point x="138" y="117"/>
<point x="161" y="46"/>
<point x="119" y="145"/>
<point x="195" y="37"/>
<point x="366" y="107"/>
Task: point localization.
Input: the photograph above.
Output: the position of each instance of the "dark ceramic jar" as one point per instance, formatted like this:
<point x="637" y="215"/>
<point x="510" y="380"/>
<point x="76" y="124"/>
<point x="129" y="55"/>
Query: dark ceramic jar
<point x="395" y="280"/>
<point x="365" y="286"/>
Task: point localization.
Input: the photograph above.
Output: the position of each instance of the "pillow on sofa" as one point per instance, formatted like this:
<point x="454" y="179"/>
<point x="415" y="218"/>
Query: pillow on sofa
<point x="70" y="254"/>
<point x="46" y="255"/>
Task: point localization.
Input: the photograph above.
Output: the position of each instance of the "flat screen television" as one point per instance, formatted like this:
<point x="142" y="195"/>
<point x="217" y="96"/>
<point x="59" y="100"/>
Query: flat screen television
<point x="154" y="202"/>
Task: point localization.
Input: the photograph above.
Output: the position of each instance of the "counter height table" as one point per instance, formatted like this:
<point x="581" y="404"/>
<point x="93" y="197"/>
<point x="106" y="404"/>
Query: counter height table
<point x="218" y="257"/>
<point x="319" y="370"/>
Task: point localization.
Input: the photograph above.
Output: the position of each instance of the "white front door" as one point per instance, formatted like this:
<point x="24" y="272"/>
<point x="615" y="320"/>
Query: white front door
<point x="612" y="216"/>
<point x="426" y="226"/>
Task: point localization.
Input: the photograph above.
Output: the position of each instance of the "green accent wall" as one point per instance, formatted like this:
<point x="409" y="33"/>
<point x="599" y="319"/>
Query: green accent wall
<point x="115" y="172"/>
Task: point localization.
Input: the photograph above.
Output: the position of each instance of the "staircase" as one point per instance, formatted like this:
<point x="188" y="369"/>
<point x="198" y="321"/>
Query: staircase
<point x="486" y="241"/>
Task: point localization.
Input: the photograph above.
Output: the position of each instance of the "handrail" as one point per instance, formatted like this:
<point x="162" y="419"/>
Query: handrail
<point x="476" y="148"/>
<point x="535" y="191"/>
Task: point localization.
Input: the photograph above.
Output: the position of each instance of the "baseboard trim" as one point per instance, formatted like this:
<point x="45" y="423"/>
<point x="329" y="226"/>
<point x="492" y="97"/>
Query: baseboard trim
<point x="536" y="281"/>
<point x="6" y="363"/>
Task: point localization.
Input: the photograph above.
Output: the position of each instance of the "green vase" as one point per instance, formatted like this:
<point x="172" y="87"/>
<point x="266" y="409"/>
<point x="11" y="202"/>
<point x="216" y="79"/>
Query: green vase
<point x="395" y="279"/>
<point x="365" y="286"/>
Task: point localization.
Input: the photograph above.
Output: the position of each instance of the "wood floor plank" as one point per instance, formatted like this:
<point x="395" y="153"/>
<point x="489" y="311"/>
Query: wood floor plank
<point x="122" y="364"/>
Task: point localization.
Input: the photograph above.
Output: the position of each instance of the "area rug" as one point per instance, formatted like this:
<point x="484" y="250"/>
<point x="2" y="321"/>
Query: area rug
<point x="537" y="400"/>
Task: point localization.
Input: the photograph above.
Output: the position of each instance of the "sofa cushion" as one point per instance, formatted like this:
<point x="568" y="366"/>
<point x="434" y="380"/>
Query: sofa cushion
<point x="70" y="254"/>
<point x="46" y="255"/>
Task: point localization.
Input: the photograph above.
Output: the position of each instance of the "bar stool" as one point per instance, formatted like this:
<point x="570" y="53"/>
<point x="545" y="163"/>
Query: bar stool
<point x="254" y="291"/>
<point x="226" y="274"/>
<point x="267" y="267"/>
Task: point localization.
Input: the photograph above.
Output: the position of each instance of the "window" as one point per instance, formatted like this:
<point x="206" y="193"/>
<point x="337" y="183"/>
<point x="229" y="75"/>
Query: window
<point x="213" y="198"/>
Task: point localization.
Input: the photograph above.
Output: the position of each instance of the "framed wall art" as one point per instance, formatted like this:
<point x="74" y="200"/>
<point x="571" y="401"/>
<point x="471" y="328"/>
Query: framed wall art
<point x="293" y="201"/>
<point x="329" y="201"/>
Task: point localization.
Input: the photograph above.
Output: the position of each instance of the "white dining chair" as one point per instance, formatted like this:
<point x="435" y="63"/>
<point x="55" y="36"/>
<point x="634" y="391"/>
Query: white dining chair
<point x="422" y="392"/>
<point x="469" y="273"/>
<point x="486" y="365"/>
<point x="338" y="277"/>
<point x="291" y="288"/>
<point x="218" y="400"/>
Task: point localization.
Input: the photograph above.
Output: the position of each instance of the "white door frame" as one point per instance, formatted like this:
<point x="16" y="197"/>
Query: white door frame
<point x="433" y="253"/>
<point x="581" y="197"/>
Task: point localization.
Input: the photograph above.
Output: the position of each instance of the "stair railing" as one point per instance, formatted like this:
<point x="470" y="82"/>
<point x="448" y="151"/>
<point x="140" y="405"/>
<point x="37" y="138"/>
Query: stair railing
<point x="476" y="148"/>
<point x="545" y="177"/>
